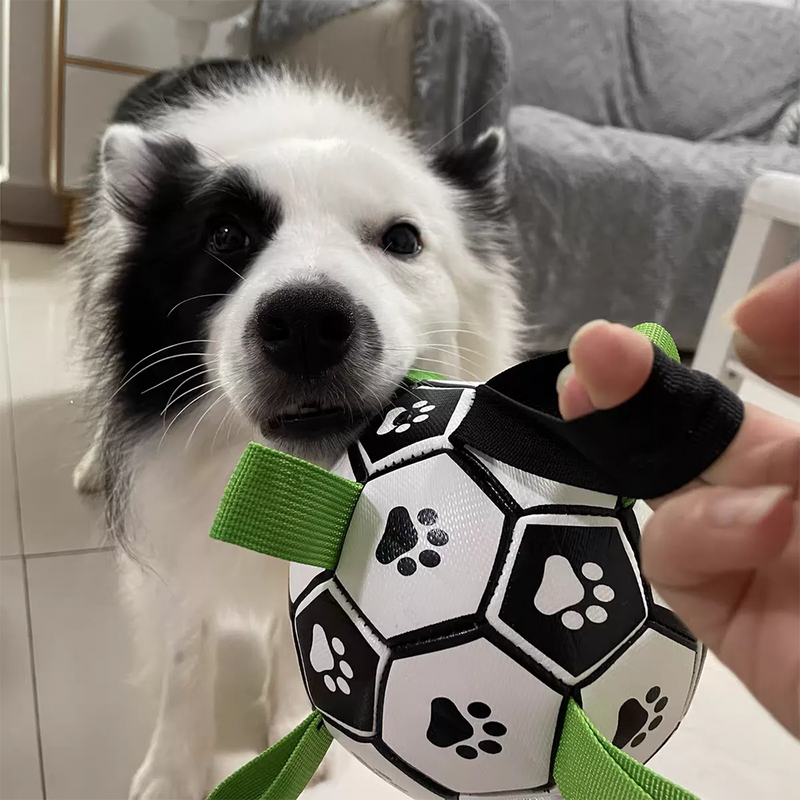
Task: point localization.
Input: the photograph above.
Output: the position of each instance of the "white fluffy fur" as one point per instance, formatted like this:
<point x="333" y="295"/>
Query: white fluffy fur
<point x="336" y="166"/>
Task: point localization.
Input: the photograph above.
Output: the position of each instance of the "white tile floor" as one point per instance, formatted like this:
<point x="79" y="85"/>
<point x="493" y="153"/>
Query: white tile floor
<point x="70" y="725"/>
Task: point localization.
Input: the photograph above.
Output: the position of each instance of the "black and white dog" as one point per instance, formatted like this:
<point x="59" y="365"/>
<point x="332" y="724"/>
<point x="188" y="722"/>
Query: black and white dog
<point x="261" y="258"/>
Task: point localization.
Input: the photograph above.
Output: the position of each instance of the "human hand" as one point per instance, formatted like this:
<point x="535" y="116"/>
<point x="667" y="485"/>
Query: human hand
<point x="724" y="551"/>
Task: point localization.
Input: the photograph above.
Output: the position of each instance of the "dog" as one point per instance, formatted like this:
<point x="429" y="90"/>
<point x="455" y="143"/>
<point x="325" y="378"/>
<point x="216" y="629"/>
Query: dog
<point x="262" y="258"/>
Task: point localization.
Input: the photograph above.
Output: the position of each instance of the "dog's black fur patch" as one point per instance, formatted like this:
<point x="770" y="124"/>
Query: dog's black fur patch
<point x="169" y="263"/>
<point x="479" y="171"/>
<point x="181" y="87"/>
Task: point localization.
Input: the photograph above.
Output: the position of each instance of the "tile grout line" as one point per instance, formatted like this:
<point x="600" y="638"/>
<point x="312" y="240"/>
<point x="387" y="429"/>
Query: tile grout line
<point x="25" y="585"/>
<point x="53" y="553"/>
<point x="75" y="552"/>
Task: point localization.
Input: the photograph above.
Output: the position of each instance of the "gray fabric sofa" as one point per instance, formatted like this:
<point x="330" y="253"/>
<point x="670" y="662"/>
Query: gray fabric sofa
<point x="639" y="125"/>
<point x="635" y="127"/>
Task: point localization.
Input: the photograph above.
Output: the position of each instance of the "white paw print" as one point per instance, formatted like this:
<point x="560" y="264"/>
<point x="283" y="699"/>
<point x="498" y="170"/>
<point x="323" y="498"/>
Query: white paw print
<point x="602" y="593"/>
<point x="322" y="657"/>
<point x="561" y="588"/>
<point x="421" y="410"/>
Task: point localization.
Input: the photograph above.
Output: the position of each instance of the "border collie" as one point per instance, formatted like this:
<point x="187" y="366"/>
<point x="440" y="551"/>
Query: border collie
<point x="261" y="258"/>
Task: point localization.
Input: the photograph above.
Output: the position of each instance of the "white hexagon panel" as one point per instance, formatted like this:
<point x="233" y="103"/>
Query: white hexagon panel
<point x="420" y="547"/>
<point x="638" y="702"/>
<point x="419" y="422"/>
<point x="570" y="593"/>
<point x="531" y="490"/>
<point x="471" y="718"/>
<point x="301" y="576"/>
<point x="371" y="758"/>
<point x="341" y="659"/>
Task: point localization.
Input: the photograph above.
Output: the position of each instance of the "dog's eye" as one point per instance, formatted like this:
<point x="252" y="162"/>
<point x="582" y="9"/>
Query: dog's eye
<point x="226" y="237"/>
<point x="402" y="239"/>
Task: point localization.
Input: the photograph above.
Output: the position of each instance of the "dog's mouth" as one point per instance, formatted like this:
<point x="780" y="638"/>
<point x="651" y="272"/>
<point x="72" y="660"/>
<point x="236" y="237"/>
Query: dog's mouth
<point x="315" y="422"/>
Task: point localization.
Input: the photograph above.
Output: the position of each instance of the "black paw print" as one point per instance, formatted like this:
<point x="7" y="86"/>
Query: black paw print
<point x="448" y="727"/>
<point x="401" y="536"/>
<point x="633" y="717"/>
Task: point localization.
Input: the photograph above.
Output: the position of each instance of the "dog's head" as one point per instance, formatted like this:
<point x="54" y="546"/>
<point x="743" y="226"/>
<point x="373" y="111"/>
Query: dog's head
<point x="291" y="255"/>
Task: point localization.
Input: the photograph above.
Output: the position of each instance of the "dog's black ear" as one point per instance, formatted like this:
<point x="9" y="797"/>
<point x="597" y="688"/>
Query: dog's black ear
<point x="478" y="168"/>
<point x="135" y="164"/>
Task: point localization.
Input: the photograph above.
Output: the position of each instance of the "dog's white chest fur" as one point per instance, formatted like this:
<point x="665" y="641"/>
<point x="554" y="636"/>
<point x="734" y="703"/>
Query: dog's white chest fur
<point x="175" y="492"/>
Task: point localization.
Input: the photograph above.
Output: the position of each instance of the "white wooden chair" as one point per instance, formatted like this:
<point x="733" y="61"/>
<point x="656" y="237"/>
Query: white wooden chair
<point x="766" y="238"/>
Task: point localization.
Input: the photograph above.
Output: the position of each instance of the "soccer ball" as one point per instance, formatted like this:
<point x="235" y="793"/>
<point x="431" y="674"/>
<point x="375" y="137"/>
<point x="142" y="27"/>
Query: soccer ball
<point x="472" y="599"/>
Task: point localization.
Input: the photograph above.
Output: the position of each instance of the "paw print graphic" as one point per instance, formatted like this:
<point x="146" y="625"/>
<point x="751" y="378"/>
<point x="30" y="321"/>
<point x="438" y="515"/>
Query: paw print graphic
<point x="448" y="727"/>
<point x="633" y="718"/>
<point x="326" y="656"/>
<point x="401" y="536"/>
<point x="563" y="592"/>
<point x="400" y="419"/>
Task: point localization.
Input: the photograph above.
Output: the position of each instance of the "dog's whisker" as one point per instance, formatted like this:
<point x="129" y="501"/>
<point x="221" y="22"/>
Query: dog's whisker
<point x="162" y="349"/>
<point x="451" y="365"/>
<point x="220" y="426"/>
<point x="217" y="258"/>
<point x="188" y="391"/>
<point x="199" y="376"/>
<point x="196" y="297"/>
<point x="143" y="369"/>
<point x="466" y="119"/>
<point x="456" y="354"/>
<point x="195" y="368"/>
<point x="457" y="348"/>
<point x="203" y="416"/>
<point x="188" y="405"/>
<point x="458" y="330"/>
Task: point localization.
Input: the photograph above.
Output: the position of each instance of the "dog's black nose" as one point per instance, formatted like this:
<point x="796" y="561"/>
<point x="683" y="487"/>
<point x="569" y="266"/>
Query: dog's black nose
<point x="304" y="330"/>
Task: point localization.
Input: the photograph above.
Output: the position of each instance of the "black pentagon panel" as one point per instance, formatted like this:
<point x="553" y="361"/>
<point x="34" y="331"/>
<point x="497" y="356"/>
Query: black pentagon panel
<point x="419" y="422"/>
<point x="571" y="594"/>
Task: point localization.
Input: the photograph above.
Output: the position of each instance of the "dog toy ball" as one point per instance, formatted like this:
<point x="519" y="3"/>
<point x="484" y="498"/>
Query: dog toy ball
<point x="466" y="599"/>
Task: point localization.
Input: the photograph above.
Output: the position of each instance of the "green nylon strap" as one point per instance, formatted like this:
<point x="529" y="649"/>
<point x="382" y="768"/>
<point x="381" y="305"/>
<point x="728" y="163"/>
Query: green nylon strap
<point x="306" y="517"/>
<point x="660" y="337"/>
<point x="283" y="771"/>
<point x="589" y="767"/>
<point x="419" y="375"/>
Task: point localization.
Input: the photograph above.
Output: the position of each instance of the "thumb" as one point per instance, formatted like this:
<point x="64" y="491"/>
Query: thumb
<point x="609" y="364"/>
<point x="702" y="534"/>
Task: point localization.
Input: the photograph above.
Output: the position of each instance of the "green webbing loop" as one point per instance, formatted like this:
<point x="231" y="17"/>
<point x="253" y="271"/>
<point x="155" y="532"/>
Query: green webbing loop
<point x="283" y="771"/>
<point x="589" y="767"/>
<point x="661" y="338"/>
<point x="419" y="375"/>
<point x="287" y="508"/>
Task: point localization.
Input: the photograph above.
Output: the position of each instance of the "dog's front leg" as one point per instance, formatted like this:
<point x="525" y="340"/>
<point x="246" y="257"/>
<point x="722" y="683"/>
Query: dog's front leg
<point x="178" y="760"/>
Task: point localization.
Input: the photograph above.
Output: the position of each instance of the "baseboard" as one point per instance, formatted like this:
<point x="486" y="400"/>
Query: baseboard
<point x="28" y="204"/>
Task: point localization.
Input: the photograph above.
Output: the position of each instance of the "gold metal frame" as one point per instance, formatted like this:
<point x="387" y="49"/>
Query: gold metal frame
<point x="59" y="60"/>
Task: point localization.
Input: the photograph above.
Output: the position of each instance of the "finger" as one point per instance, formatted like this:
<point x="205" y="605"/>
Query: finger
<point x="711" y="531"/>
<point x="610" y="365"/>
<point x="725" y="560"/>
<point x="766" y="450"/>
<point x="573" y="400"/>
<point x="767" y="339"/>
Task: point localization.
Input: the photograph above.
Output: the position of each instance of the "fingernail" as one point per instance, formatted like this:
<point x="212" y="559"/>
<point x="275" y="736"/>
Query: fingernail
<point x="595" y="323"/>
<point x="744" y="345"/>
<point x="574" y="400"/>
<point x="564" y="376"/>
<point x="747" y="507"/>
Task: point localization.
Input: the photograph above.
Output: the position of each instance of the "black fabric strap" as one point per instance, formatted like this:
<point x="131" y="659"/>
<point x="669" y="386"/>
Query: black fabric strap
<point x="670" y="432"/>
